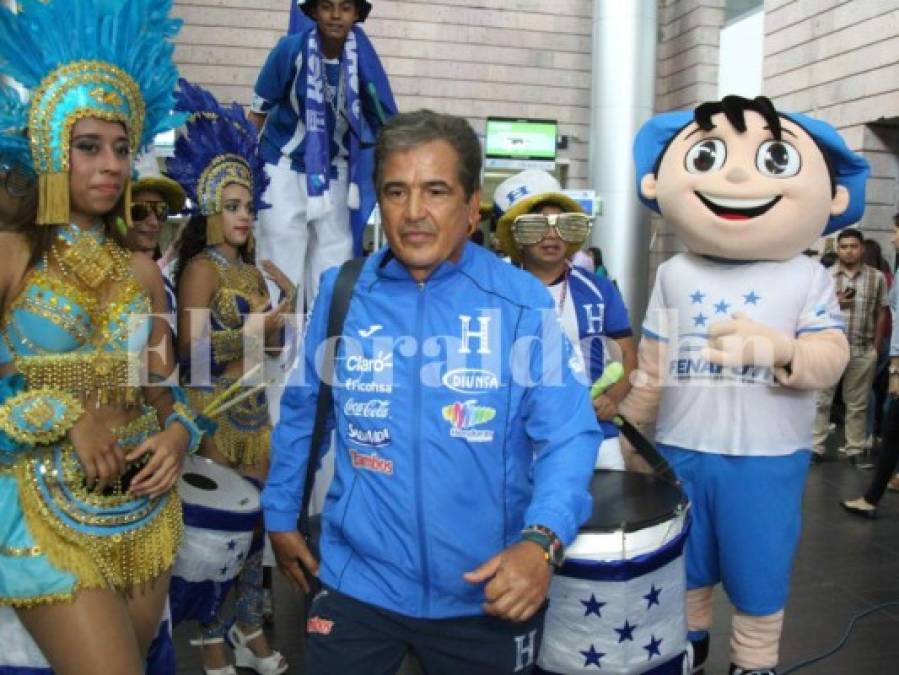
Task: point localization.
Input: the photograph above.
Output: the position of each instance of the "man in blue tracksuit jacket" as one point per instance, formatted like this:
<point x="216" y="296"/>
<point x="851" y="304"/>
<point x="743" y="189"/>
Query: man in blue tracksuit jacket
<point x="464" y="443"/>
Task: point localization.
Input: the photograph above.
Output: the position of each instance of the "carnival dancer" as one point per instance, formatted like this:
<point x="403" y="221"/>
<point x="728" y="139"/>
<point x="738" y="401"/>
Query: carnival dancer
<point x="217" y="163"/>
<point x="539" y="227"/>
<point x="740" y="332"/>
<point x="89" y="519"/>
<point x="320" y="99"/>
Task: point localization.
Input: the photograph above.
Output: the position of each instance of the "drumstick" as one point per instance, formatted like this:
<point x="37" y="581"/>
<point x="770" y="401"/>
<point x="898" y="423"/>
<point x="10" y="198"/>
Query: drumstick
<point x="230" y="391"/>
<point x="237" y="399"/>
<point x="644" y="447"/>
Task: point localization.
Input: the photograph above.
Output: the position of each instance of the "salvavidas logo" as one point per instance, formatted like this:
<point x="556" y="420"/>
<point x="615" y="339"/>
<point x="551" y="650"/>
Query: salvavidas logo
<point x="470" y="380"/>
<point x="464" y="416"/>
<point x="376" y="408"/>
<point x="362" y="364"/>
<point x="370" y="438"/>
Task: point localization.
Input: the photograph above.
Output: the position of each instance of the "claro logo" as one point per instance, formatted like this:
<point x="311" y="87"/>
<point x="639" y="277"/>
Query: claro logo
<point x="362" y="364"/>
<point x="470" y="380"/>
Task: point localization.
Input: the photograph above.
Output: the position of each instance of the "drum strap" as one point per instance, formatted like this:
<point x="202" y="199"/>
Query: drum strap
<point x="340" y="304"/>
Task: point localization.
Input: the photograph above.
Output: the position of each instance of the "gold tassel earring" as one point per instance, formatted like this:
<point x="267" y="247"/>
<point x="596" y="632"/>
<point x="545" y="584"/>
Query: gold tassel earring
<point x="214" y="235"/>
<point x="53" y="198"/>
<point x="126" y="203"/>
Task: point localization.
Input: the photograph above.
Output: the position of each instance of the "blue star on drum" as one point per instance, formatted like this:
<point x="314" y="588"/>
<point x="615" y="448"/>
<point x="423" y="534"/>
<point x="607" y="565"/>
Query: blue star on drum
<point x="593" y="606"/>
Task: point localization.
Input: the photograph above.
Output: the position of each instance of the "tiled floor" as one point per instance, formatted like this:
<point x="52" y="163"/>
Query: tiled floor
<point x="845" y="565"/>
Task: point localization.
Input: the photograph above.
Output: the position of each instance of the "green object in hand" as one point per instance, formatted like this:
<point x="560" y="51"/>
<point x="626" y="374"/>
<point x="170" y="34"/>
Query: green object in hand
<point x="611" y="375"/>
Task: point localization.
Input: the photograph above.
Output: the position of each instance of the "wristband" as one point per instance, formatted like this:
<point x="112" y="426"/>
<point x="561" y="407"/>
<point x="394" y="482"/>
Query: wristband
<point x="547" y="540"/>
<point x="183" y="415"/>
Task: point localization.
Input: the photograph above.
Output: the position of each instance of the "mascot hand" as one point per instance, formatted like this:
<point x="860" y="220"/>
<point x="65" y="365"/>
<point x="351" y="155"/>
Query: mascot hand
<point x="741" y="341"/>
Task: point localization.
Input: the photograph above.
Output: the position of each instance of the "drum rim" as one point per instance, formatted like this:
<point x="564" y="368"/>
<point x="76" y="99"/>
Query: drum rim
<point x="184" y="494"/>
<point x="678" y="507"/>
<point x="637" y="525"/>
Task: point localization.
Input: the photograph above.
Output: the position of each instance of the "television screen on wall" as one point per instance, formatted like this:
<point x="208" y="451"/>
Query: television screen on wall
<point x="506" y="138"/>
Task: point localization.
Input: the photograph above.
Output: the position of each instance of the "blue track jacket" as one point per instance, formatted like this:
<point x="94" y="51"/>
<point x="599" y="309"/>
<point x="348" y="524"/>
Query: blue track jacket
<point x="458" y="422"/>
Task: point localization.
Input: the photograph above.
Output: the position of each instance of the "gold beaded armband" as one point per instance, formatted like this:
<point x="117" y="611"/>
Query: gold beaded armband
<point x="39" y="416"/>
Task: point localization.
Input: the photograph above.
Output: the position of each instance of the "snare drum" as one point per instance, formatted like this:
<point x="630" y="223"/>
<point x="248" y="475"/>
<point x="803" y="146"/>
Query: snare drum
<point x="617" y="604"/>
<point x="221" y="510"/>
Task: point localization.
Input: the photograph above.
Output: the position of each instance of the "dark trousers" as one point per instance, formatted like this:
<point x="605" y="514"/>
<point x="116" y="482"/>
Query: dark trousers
<point x="349" y="637"/>
<point x="889" y="454"/>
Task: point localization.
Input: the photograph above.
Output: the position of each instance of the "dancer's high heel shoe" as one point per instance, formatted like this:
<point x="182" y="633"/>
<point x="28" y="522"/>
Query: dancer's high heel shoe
<point x="273" y="664"/>
<point x="201" y="642"/>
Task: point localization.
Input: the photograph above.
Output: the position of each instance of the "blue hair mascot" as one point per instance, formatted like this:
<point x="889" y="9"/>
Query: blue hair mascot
<point x="740" y="332"/>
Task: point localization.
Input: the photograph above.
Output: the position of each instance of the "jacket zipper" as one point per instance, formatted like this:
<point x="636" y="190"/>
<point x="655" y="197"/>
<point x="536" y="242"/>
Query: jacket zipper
<point x="416" y="448"/>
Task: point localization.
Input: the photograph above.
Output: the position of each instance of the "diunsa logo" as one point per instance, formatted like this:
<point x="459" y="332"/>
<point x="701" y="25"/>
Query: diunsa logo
<point x="470" y="380"/>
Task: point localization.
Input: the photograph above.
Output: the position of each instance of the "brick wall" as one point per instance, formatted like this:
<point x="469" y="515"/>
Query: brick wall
<point x="839" y="60"/>
<point x="528" y="58"/>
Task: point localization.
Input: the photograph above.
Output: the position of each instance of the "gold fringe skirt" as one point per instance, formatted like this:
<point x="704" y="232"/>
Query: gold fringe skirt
<point x="244" y="431"/>
<point x="57" y="537"/>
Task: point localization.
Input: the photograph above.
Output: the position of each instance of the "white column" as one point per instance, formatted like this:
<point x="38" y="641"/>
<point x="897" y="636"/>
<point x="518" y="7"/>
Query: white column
<point x="622" y="98"/>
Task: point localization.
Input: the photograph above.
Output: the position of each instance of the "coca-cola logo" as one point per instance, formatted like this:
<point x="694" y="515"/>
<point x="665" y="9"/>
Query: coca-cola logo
<point x="375" y="408"/>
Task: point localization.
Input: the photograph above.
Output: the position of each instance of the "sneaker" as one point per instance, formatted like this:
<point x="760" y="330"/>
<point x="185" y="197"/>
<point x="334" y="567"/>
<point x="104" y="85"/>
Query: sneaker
<point x="846" y="451"/>
<point x="860" y="507"/>
<point x="818" y="457"/>
<point x="736" y="670"/>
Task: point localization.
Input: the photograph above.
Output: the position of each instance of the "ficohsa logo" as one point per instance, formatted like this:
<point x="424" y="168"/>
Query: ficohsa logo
<point x="470" y="380"/>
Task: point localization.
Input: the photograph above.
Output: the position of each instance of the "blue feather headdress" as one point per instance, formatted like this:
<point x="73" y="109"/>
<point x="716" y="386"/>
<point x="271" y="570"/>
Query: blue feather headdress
<point x="218" y="147"/>
<point x="14" y="148"/>
<point x="109" y="59"/>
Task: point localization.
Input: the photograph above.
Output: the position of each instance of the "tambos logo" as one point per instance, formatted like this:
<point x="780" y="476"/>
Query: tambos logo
<point x="464" y="416"/>
<point x="470" y="380"/>
<point x="372" y="438"/>
<point x="371" y="463"/>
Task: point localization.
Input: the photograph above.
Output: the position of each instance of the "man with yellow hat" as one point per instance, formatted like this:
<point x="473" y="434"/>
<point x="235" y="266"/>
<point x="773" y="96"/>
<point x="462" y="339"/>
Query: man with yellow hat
<point x="154" y="197"/>
<point x="540" y="228"/>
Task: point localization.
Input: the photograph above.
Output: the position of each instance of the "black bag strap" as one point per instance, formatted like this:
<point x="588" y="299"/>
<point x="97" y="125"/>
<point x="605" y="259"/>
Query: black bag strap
<point x="340" y="303"/>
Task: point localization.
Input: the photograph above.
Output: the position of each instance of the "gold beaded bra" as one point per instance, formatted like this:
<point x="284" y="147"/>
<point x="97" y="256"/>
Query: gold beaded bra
<point x="60" y="333"/>
<point x="241" y="291"/>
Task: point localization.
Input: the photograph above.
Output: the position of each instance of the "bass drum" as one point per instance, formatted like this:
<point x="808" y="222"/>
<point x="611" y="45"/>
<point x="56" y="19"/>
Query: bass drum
<point x="618" y="603"/>
<point x="221" y="511"/>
